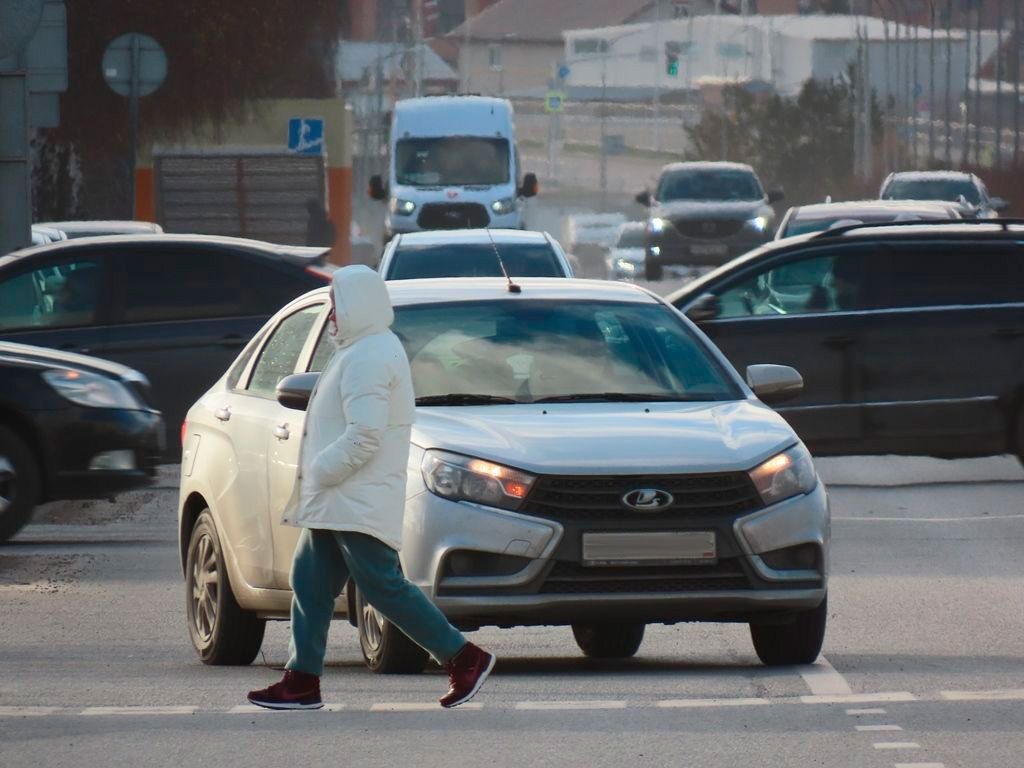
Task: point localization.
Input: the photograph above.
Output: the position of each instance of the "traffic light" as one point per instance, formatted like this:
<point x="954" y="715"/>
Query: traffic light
<point x="672" y="51"/>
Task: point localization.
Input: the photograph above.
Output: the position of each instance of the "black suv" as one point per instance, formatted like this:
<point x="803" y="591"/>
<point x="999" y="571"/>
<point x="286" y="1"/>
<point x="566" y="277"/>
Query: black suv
<point x="703" y="214"/>
<point x="910" y="336"/>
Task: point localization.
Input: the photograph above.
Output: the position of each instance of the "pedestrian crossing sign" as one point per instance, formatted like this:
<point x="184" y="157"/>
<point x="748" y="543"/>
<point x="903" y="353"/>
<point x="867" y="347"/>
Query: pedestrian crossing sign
<point x="554" y="101"/>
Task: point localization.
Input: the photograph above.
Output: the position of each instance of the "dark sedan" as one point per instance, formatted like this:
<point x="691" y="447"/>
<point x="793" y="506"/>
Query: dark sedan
<point x="71" y="426"/>
<point x="178" y="308"/>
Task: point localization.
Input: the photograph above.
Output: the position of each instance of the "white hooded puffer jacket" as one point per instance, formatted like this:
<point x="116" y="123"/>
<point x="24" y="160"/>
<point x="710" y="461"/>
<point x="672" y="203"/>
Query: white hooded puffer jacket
<point x="355" y="447"/>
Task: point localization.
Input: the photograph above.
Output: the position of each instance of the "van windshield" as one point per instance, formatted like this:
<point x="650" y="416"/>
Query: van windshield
<point x="452" y="161"/>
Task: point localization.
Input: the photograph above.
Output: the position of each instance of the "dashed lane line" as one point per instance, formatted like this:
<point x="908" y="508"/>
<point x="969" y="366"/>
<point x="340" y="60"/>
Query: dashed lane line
<point x="878" y="728"/>
<point x="108" y="711"/>
<point x="866" y="711"/>
<point x="421" y="706"/>
<point x="29" y="711"/>
<point x="860" y="698"/>
<point x="1013" y="694"/>
<point x="823" y="680"/>
<point x="695" y="703"/>
<point x="896" y="745"/>
<point x="559" y="705"/>
<point x="919" y="765"/>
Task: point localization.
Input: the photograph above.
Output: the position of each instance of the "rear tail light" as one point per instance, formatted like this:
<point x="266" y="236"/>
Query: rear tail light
<point x="184" y="433"/>
<point x="322" y="274"/>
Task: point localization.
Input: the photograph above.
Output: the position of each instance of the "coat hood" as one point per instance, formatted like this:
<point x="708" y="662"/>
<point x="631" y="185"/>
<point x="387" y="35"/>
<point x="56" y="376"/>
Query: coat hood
<point x="361" y="303"/>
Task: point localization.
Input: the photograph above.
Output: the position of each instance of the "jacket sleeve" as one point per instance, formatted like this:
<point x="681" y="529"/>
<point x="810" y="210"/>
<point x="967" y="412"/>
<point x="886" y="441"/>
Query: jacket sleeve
<point x="366" y="399"/>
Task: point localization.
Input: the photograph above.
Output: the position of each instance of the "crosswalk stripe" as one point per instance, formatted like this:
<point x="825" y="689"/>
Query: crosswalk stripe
<point x="118" y="711"/>
<point x="860" y="698"/>
<point x="897" y="745"/>
<point x="696" y="703"/>
<point x="550" y="705"/>
<point x="878" y="728"/>
<point x="1007" y="694"/>
<point x="919" y="765"/>
<point x="823" y="679"/>
<point x="866" y="711"/>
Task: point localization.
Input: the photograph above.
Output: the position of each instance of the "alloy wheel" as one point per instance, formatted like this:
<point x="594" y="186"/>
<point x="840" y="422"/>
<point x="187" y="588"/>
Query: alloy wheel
<point x="7" y="489"/>
<point x="373" y="627"/>
<point x="205" y="588"/>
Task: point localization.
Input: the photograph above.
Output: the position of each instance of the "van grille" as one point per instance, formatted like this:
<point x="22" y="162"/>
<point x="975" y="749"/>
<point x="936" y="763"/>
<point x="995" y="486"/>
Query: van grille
<point x="453" y="216"/>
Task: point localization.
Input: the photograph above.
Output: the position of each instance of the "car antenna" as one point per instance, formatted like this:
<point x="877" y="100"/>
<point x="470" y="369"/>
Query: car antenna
<point x="512" y="287"/>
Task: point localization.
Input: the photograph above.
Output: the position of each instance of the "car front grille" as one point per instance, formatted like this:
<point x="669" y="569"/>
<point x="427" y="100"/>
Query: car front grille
<point x="574" y="579"/>
<point x="601" y="498"/>
<point x="708" y="229"/>
<point x="453" y="216"/>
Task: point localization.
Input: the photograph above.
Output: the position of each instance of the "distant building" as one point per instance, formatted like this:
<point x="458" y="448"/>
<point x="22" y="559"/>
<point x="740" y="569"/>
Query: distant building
<point x="359" y="64"/>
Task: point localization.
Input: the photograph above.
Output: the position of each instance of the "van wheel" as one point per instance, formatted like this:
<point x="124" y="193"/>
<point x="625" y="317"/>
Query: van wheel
<point x="386" y="649"/>
<point x="798" y="642"/>
<point x="19" y="483"/>
<point x="652" y="270"/>
<point x="222" y="633"/>
<point x="609" y="641"/>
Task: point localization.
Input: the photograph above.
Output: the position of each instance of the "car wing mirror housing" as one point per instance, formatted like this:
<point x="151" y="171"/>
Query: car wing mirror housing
<point x="774" y="383"/>
<point x="530" y="186"/>
<point x="378" y="189"/>
<point x="707" y="307"/>
<point x="294" y="391"/>
<point x="644" y="198"/>
<point x="776" y="195"/>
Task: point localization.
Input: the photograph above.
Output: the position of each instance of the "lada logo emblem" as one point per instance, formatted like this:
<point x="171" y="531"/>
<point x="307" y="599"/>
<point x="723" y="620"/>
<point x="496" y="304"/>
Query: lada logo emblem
<point x="452" y="194"/>
<point x="647" y="499"/>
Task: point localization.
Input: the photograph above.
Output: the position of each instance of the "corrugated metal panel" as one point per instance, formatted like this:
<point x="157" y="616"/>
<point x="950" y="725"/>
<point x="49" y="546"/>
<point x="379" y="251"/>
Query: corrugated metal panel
<point x="262" y="196"/>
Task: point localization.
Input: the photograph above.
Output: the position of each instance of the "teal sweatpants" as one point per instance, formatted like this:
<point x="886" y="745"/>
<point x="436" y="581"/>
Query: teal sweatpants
<point x="323" y="562"/>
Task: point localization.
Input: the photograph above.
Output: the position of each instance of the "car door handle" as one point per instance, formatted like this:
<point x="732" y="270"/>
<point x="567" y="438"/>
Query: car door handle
<point x="281" y="432"/>
<point x="1008" y="334"/>
<point x="223" y="413"/>
<point x="232" y="341"/>
<point x="840" y="342"/>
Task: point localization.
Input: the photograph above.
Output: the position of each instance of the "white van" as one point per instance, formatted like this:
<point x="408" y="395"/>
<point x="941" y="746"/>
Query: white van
<point x="453" y="165"/>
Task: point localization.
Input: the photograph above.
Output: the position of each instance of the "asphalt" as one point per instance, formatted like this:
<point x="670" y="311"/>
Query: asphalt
<point x="925" y="647"/>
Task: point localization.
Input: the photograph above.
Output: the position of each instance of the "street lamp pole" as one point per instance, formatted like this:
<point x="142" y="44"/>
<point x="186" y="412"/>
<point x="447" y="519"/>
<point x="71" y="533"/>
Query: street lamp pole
<point x="604" y="133"/>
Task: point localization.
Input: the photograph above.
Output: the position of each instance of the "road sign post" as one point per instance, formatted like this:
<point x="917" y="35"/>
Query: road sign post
<point x="134" y="66"/>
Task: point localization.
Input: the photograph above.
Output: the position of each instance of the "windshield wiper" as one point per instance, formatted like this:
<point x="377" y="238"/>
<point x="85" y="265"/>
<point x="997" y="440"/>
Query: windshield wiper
<point x="462" y="398"/>
<point x="617" y="397"/>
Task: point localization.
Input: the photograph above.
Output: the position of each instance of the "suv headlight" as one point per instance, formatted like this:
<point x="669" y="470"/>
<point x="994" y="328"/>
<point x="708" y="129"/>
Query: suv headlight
<point x="785" y="475"/>
<point x="503" y="207"/>
<point x="758" y="223"/>
<point x="656" y="226"/>
<point x="462" y="478"/>
<point x="91" y="389"/>
<point x="402" y="207"/>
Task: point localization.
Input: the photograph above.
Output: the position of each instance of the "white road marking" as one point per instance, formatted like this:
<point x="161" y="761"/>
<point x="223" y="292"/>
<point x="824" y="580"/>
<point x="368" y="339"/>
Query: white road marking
<point x="860" y="698"/>
<point x="929" y="519"/>
<point x="419" y="706"/>
<point x="118" y="711"/>
<point x="823" y="679"/>
<point x="696" y="703"/>
<point x="550" y="705"/>
<point x="252" y="709"/>
<point x="897" y="745"/>
<point x="919" y="765"/>
<point x="868" y="711"/>
<point x="878" y="728"/>
<point x="27" y="711"/>
<point x="1007" y="694"/>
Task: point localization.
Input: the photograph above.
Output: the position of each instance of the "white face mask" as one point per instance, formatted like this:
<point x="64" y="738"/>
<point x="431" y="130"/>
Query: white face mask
<point x="332" y="328"/>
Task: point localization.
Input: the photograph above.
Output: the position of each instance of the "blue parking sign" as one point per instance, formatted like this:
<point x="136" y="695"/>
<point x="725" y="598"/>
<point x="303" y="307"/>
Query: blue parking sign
<point x="306" y="135"/>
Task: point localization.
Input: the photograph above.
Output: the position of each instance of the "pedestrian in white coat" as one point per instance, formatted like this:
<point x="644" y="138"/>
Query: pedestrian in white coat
<point x="350" y="498"/>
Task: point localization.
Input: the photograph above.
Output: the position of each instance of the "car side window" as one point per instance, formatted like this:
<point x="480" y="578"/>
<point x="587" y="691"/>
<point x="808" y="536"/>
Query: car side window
<point x="822" y="283"/>
<point x="280" y="354"/>
<point x="181" y="284"/>
<point x="61" y="295"/>
<point x="322" y="353"/>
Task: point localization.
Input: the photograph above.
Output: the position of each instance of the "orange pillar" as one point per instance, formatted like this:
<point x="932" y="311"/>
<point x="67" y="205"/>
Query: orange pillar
<point x="339" y="208"/>
<point x="145" y="195"/>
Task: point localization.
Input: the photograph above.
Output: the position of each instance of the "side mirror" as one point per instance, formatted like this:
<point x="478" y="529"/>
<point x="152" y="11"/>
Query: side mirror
<point x="378" y="189"/>
<point x="644" y="198"/>
<point x="530" y="186"/>
<point x="774" y="383"/>
<point x="998" y="204"/>
<point x="775" y="195"/>
<point x="706" y="307"/>
<point x="294" y="391"/>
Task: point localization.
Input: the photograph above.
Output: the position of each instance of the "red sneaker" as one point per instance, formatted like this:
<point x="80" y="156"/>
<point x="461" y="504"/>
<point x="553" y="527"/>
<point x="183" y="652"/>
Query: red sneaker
<point x="296" y="690"/>
<point x="467" y="671"/>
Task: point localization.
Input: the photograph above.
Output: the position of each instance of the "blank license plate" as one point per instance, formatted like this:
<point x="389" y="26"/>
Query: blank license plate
<point x="709" y="250"/>
<point x="651" y="548"/>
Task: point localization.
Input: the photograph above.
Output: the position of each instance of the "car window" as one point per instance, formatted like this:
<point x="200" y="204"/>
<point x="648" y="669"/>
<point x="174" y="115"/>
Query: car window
<point x="280" y="354"/>
<point x="322" y="353"/>
<point x="823" y="283"/>
<point x="948" y="275"/>
<point x="707" y="184"/>
<point x="932" y="189"/>
<point x="410" y="262"/>
<point x="181" y="285"/>
<point x="61" y="295"/>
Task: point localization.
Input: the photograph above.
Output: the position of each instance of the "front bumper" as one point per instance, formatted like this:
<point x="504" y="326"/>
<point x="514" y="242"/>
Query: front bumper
<point x="552" y="587"/>
<point x="76" y="436"/>
<point x="672" y="248"/>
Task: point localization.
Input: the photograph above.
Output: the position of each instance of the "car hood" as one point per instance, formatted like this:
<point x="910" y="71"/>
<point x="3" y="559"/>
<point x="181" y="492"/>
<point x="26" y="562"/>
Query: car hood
<point x="711" y="209"/>
<point x="610" y="438"/>
<point x="53" y="358"/>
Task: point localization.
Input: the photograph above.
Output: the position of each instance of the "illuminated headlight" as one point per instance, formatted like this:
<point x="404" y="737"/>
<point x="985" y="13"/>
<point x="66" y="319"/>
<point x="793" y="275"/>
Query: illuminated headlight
<point x="462" y="478"/>
<point x="504" y="207"/>
<point x="402" y="207"/>
<point x="656" y="226"/>
<point x="759" y="223"/>
<point x="90" y="389"/>
<point x="788" y="474"/>
<point x="626" y="267"/>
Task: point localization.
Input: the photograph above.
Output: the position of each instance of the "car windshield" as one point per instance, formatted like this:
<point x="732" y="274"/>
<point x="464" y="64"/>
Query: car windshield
<point x="709" y="185"/>
<point x="932" y="189"/>
<point x="452" y="161"/>
<point x="632" y="237"/>
<point x="543" y="351"/>
<point x="473" y="260"/>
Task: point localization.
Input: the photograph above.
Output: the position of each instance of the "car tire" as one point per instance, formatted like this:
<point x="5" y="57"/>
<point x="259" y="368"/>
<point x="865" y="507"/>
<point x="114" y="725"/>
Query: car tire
<point x="222" y="633"/>
<point x="1019" y="435"/>
<point x="609" y="641"/>
<point x="386" y="649"/>
<point x="798" y="642"/>
<point x="19" y="483"/>
<point x="653" y="271"/>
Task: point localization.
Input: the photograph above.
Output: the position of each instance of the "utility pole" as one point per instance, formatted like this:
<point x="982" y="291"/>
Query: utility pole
<point x="857" y="86"/>
<point x="977" y="91"/>
<point x="949" y="84"/>
<point x="417" y="49"/>
<point x="931" y="82"/>
<point x="1016" y="83"/>
<point x="998" y="160"/>
<point x="887" y="106"/>
<point x="604" y="131"/>
<point x="965" y="154"/>
<point x="656" y="99"/>
<point x="868" y="156"/>
<point x="914" y="95"/>
<point x="898" y="100"/>
<point x="465" y="53"/>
